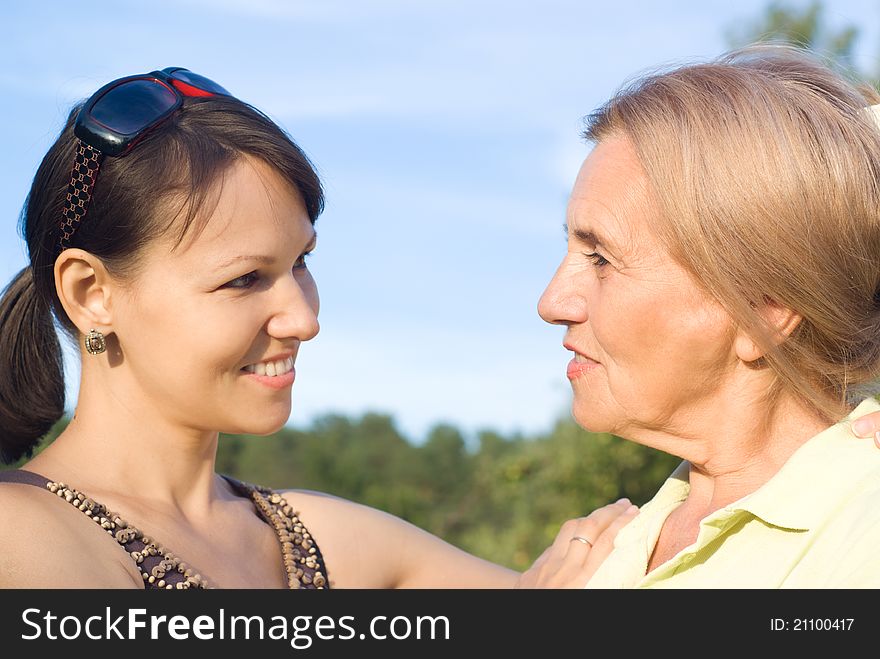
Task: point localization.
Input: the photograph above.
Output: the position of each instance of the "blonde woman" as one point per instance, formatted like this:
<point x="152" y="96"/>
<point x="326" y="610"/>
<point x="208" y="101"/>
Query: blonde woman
<point x="721" y="296"/>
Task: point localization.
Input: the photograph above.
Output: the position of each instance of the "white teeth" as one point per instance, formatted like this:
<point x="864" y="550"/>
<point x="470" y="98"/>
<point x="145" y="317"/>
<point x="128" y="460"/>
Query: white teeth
<point x="271" y="369"/>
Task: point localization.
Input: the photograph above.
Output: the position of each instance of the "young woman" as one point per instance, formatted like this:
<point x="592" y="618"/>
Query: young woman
<point x="168" y="229"/>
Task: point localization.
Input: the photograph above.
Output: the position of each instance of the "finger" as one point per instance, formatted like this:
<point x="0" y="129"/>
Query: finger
<point x="605" y="543"/>
<point x="867" y="426"/>
<point x="575" y="526"/>
<point x="560" y="566"/>
<point x="596" y="556"/>
<point x="566" y="556"/>
<point x="555" y="569"/>
<point x="591" y="528"/>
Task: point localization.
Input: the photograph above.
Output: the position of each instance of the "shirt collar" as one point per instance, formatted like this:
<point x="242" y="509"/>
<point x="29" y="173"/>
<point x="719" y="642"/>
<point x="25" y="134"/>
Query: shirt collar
<point x="803" y="492"/>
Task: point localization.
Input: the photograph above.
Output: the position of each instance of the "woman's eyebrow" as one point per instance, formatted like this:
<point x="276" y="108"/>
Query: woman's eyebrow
<point x="585" y="236"/>
<point x="259" y="258"/>
<point x="262" y="258"/>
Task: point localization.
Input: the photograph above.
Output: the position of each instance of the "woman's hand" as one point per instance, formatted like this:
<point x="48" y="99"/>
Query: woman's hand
<point x="868" y="426"/>
<point x="579" y="548"/>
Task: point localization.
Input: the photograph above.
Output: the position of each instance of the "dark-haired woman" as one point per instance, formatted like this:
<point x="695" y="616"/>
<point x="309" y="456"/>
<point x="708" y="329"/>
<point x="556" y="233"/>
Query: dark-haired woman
<point x="168" y="229"/>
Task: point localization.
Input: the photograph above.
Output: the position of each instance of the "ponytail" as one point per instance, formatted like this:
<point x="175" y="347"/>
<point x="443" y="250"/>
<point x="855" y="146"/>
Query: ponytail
<point x="31" y="368"/>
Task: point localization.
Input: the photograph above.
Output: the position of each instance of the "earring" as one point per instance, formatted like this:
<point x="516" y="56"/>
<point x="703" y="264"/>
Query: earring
<point x="95" y="342"/>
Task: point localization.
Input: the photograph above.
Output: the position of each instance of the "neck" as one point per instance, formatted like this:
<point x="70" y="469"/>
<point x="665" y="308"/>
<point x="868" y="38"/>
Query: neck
<point x="125" y="446"/>
<point x="734" y="441"/>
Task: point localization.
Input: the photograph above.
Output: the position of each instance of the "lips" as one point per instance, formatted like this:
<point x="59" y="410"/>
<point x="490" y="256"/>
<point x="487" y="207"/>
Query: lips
<point x="578" y="367"/>
<point x="579" y="355"/>
<point x="580" y="364"/>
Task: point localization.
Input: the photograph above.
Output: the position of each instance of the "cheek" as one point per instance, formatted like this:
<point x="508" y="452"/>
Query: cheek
<point x="630" y="325"/>
<point x="187" y="337"/>
<point x="661" y="353"/>
<point x="663" y="338"/>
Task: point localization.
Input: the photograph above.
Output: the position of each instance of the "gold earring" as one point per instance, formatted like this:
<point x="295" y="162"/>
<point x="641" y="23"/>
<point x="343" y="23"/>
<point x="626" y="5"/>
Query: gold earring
<point x="95" y="342"/>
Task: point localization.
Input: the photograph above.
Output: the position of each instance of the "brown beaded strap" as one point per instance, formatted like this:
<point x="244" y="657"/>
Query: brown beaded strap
<point x="303" y="561"/>
<point x="160" y="568"/>
<point x="79" y="191"/>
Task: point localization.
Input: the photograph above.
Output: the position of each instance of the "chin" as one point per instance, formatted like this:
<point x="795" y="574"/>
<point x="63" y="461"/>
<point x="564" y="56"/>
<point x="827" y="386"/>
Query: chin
<point x="266" y="424"/>
<point x="592" y="418"/>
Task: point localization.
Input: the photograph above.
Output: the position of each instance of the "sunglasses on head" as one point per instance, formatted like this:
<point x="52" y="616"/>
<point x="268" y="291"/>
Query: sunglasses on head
<point x="112" y="122"/>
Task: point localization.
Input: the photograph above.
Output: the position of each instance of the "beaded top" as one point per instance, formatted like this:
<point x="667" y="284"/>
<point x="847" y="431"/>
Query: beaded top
<point x="160" y="568"/>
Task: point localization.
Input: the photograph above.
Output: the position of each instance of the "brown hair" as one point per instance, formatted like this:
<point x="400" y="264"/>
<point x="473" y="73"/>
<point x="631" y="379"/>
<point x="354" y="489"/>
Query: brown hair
<point x="766" y="168"/>
<point x="137" y="198"/>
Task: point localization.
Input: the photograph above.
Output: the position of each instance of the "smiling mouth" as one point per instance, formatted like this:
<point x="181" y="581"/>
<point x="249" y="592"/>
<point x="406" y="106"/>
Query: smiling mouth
<point x="279" y="367"/>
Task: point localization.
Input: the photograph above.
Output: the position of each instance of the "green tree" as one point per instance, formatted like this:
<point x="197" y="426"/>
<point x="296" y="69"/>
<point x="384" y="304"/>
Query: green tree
<point x="801" y="26"/>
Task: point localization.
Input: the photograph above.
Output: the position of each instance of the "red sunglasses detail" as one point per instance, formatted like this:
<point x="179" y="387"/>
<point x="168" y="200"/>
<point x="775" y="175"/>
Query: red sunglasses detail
<point x="114" y="119"/>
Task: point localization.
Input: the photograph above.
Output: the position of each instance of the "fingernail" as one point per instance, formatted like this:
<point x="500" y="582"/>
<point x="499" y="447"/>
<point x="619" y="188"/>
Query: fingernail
<point x="863" y="427"/>
<point x="877" y="438"/>
<point x="632" y="509"/>
<point x="622" y="500"/>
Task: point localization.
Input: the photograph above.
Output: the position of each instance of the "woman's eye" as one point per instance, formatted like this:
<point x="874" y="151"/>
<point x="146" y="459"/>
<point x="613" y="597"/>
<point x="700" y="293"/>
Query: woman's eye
<point x="248" y="280"/>
<point x="301" y="261"/>
<point x="245" y="281"/>
<point x="597" y="259"/>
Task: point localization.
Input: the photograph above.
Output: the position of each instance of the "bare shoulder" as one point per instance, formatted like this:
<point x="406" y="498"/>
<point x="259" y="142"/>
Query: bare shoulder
<point x="364" y="547"/>
<point x="46" y="543"/>
<point x="312" y="503"/>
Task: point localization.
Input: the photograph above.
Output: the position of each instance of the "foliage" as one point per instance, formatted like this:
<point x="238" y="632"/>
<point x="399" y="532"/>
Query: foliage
<point x="804" y="27"/>
<point x="504" y="500"/>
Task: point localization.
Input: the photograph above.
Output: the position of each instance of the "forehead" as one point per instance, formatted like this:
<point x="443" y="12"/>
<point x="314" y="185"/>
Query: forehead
<point x="252" y="209"/>
<point x="610" y="194"/>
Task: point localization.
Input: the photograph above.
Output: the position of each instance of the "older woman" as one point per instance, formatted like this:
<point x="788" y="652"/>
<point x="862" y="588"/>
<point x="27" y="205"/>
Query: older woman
<point x="721" y="294"/>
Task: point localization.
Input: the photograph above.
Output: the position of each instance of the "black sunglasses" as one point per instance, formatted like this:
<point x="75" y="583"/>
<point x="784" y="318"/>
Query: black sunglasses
<point x="114" y="119"/>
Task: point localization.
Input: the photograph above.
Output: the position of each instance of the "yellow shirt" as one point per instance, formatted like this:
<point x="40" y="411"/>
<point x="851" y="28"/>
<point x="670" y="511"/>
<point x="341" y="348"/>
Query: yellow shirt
<point x="815" y="524"/>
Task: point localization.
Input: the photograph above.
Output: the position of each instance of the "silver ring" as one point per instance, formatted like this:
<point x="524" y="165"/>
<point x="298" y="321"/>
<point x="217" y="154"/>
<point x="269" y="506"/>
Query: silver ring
<point x="582" y="539"/>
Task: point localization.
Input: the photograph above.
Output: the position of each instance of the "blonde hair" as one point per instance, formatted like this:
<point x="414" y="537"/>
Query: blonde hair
<point x="766" y="168"/>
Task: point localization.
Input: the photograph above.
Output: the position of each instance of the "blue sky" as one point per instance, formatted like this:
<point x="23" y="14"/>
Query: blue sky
<point x="446" y="133"/>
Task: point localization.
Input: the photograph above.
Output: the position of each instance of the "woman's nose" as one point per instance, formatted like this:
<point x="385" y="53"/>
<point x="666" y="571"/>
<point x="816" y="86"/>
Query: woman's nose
<point x="562" y="303"/>
<point x="296" y="314"/>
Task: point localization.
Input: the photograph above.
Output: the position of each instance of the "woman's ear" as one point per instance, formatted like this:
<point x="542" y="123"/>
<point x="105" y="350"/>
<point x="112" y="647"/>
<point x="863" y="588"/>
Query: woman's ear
<point x="83" y="286"/>
<point x="780" y="322"/>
